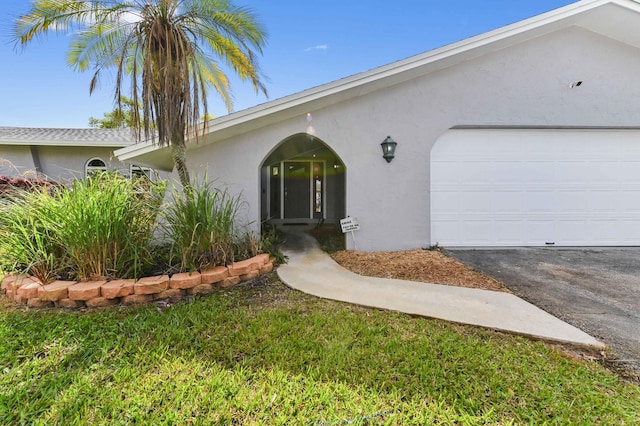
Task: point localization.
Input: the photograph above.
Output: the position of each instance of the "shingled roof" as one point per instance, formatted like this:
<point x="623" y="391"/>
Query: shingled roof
<point x="116" y="138"/>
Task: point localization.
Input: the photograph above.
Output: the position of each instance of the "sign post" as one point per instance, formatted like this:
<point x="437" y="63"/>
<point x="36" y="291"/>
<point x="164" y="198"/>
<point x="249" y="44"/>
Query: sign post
<point x="350" y="224"/>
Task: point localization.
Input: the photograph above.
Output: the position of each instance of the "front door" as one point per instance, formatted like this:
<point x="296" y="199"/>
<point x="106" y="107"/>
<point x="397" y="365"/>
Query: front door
<point x="302" y="182"/>
<point x="297" y="190"/>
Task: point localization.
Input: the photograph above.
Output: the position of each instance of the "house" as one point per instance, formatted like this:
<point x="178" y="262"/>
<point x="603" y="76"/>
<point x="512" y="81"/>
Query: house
<point x="528" y="135"/>
<point x="63" y="154"/>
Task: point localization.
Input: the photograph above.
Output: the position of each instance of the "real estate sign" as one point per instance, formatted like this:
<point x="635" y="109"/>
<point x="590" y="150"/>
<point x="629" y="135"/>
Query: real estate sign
<point x="349" y="224"/>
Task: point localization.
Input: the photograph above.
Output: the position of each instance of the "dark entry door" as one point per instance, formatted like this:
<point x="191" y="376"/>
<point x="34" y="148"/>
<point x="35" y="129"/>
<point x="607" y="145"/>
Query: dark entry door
<point x="297" y="190"/>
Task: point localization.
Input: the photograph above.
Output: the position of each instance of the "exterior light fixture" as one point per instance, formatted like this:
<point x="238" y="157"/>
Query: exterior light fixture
<point x="388" y="149"/>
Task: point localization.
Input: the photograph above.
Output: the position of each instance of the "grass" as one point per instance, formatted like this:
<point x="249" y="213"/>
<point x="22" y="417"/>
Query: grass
<point x="104" y="227"/>
<point x="201" y="223"/>
<point x="99" y="228"/>
<point x="261" y="353"/>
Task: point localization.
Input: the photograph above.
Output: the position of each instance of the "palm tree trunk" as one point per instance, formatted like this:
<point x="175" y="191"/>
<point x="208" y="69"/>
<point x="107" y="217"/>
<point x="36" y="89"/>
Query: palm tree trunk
<point x="179" y="153"/>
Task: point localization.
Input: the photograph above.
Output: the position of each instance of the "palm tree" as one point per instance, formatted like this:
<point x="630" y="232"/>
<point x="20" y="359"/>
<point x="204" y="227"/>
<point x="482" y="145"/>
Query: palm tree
<point x="170" y="51"/>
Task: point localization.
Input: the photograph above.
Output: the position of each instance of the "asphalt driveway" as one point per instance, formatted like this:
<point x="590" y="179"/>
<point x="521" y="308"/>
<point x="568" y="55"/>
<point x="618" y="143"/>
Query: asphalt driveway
<point x="594" y="289"/>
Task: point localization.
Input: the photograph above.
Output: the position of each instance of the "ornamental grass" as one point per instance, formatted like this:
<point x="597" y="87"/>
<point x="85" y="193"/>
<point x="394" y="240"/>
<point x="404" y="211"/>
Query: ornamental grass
<point x="106" y="227"/>
<point x="201" y="224"/>
<point x="99" y="228"/>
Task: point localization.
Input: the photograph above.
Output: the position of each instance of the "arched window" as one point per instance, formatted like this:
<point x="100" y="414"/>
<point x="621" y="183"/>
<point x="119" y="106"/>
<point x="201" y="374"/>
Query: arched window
<point x="94" y="166"/>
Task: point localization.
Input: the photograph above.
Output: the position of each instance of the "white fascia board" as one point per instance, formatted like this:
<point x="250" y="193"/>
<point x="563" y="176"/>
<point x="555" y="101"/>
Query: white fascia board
<point x="141" y="148"/>
<point x="387" y="75"/>
<point x="147" y="154"/>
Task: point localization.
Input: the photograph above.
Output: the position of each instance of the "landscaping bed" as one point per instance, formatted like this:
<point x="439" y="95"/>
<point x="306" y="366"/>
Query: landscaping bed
<point x="108" y="239"/>
<point x="28" y="291"/>
<point x="429" y="266"/>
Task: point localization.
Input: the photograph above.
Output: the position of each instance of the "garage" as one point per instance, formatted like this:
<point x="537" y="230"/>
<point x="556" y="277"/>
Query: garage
<point x="536" y="187"/>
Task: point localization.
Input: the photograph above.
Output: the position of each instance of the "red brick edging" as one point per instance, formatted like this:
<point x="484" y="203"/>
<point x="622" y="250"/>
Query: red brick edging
<point x="26" y="290"/>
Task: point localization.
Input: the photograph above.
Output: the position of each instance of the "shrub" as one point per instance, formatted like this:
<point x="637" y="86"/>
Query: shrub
<point x="106" y="224"/>
<point x="103" y="227"/>
<point x="11" y="185"/>
<point x="99" y="228"/>
<point x="27" y="239"/>
<point x="201" y="226"/>
<point x="270" y="241"/>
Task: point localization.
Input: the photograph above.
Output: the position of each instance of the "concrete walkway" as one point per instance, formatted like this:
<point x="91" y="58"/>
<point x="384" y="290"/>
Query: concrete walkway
<point x="312" y="271"/>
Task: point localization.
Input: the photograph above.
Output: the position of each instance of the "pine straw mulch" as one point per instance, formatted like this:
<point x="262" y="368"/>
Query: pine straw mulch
<point x="428" y="266"/>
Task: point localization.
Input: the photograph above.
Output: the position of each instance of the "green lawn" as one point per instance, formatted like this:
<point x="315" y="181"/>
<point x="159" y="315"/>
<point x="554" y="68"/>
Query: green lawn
<point x="264" y="354"/>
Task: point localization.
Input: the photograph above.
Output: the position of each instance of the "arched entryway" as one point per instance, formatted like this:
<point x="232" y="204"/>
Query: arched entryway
<point x="303" y="182"/>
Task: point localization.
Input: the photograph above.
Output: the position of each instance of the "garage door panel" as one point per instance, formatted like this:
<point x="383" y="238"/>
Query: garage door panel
<point x="608" y="232"/>
<point x="477" y="172"/>
<point x="537" y="201"/>
<point x="605" y="172"/>
<point x="571" y="232"/>
<point x="478" y="232"/>
<point x="606" y="202"/>
<point x="621" y="203"/>
<point x="631" y="171"/>
<point x="449" y="202"/>
<point x="540" y="230"/>
<point x="441" y="169"/>
<point x="507" y="201"/>
<point x="533" y="187"/>
<point x="538" y="172"/>
<point x="629" y="201"/>
<point x="511" y="232"/>
<point x="574" y="202"/>
<point x="446" y="227"/>
<point x="506" y="171"/>
<point x="573" y="173"/>
<point x="483" y="202"/>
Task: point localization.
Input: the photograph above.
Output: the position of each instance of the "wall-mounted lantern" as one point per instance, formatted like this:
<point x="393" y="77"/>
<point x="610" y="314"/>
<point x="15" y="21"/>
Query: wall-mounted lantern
<point x="388" y="149"/>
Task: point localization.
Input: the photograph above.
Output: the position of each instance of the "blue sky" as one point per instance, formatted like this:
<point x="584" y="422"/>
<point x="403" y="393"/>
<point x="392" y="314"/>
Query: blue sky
<point x="310" y="43"/>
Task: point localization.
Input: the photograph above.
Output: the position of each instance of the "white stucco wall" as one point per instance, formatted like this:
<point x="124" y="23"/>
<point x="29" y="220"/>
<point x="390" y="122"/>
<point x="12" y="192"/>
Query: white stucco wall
<point x="60" y="163"/>
<point x="523" y="85"/>
<point x="15" y="160"/>
<point x="63" y="163"/>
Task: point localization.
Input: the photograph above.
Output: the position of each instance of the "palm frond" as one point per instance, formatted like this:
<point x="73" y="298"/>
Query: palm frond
<point x="168" y="52"/>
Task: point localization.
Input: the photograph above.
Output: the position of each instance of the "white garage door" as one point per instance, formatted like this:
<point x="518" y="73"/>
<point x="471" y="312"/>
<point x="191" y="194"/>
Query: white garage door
<point x="536" y="187"/>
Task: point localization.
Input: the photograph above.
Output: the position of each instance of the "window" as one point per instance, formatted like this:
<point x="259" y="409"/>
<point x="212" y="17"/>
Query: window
<point x="139" y="172"/>
<point x="94" y="166"/>
<point x="318" y="195"/>
<point x="143" y="177"/>
<point x="318" y="173"/>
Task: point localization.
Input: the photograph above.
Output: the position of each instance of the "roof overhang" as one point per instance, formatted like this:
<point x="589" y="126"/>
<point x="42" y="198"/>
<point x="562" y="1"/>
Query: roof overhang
<point x="147" y="154"/>
<point x="610" y="18"/>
